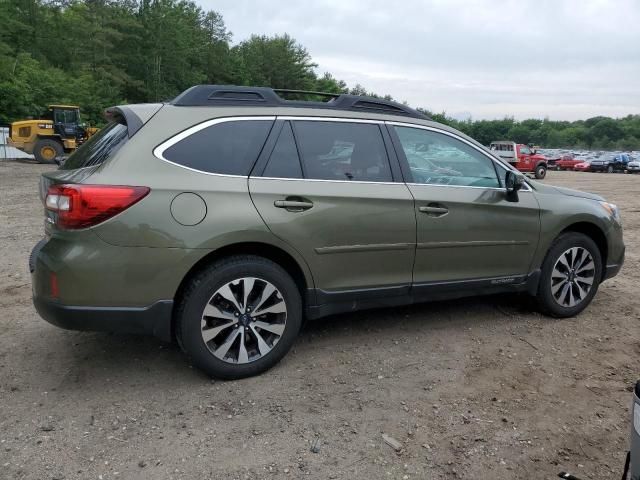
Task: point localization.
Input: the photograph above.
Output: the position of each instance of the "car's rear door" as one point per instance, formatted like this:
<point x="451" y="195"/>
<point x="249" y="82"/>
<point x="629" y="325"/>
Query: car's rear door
<point x="327" y="188"/>
<point x="467" y="230"/>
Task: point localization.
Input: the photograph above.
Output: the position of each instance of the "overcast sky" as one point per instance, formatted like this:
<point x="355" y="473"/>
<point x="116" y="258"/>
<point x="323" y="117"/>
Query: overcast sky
<point x="564" y="60"/>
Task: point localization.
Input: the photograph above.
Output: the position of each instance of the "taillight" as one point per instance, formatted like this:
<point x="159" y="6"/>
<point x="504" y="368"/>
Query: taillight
<point x="82" y="206"/>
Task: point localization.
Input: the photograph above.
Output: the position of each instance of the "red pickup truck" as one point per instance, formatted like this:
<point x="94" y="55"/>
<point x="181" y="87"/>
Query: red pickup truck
<point x="522" y="157"/>
<point x="567" y="162"/>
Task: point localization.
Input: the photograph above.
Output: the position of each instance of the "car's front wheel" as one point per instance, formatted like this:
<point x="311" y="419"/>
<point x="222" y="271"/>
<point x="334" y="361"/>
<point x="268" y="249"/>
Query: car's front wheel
<point x="46" y="150"/>
<point x="570" y="275"/>
<point x="239" y="317"/>
<point x="541" y="172"/>
<point x="610" y="169"/>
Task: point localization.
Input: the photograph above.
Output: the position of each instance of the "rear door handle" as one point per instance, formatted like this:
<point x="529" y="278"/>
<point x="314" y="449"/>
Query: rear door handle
<point x="434" y="210"/>
<point x="291" y="205"/>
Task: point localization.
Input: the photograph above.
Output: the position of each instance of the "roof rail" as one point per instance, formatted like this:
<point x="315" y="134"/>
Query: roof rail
<point x="287" y="91"/>
<point x="231" y="95"/>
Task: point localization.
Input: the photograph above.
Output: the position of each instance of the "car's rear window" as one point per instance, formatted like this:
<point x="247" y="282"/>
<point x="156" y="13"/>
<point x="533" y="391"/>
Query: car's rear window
<point x="98" y="148"/>
<point x="229" y="148"/>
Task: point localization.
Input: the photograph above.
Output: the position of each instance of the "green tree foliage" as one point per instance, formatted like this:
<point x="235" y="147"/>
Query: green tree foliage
<point x="594" y="133"/>
<point x="98" y="53"/>
<point x="277" y="61"/>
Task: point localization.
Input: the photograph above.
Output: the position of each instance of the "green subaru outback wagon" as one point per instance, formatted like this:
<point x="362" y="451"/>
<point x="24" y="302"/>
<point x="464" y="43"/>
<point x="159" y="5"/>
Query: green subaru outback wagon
<point x="230" y="214"/>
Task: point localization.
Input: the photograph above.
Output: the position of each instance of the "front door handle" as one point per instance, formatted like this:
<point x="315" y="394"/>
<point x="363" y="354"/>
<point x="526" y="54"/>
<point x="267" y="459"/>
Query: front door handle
<point x="434" y="210"/>
<point x="294" y="204"/>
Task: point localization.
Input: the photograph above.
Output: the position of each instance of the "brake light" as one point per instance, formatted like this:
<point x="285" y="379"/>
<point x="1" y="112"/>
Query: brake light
<point x="83" y="206"/>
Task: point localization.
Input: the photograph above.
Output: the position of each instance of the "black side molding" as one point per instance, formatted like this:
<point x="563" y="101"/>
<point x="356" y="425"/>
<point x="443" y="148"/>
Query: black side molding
<point x="321" y="303"/>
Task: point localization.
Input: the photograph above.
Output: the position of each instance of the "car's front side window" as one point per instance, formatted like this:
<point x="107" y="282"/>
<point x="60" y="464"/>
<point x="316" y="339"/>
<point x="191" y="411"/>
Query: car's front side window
<point x="438" y="159"/>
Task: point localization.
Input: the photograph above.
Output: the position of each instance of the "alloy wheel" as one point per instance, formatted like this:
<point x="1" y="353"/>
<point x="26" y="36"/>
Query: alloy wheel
<point x="572" y="277"/>
<point x="243" y="320"/>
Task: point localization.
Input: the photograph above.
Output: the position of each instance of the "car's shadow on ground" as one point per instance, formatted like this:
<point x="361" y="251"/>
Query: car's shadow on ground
<point x="128" y="360"/>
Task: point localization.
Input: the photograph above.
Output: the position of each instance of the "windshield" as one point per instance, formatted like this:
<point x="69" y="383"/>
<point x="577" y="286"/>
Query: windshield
<point x="98" y="148"/>
<point x="66" y="116"/>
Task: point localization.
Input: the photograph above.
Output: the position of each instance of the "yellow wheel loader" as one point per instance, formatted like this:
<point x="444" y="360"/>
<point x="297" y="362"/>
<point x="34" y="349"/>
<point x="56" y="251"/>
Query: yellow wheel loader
<point x="59" y="132"/>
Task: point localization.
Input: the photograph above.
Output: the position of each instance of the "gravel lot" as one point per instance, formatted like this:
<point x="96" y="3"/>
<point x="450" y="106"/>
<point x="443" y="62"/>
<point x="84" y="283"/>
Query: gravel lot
<point x="479" y="388"/>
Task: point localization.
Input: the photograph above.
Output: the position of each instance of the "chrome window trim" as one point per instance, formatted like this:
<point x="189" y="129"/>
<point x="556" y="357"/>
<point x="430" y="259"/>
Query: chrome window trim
<point x="158" y="151"/>
<point x="331" y="119"/>
<point x="326" y="180"/>
<point x="454" y="186"/>
<point x="457" y="137"/>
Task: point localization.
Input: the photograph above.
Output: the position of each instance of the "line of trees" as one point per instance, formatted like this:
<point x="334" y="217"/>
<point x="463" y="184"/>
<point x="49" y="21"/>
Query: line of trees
<point x="97" y="53"/>
<point x="598" y="133"/>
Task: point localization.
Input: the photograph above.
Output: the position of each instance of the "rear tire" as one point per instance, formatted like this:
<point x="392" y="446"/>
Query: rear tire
<point x="566" y="291"/>
<point x="251" y="345"/>
<point x="47" y="150"/>
<point x="541" y="172"/>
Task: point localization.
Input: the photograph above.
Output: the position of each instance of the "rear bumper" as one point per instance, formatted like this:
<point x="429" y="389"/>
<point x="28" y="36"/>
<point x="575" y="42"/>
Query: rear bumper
<point x="78" y="304"/>
<point x="152" y="320"/>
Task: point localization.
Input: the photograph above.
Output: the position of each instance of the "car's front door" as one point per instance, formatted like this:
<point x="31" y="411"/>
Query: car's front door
<point x="525" y="162"/>
<point x="329" y="190"/>
<point x="467" y="228"/>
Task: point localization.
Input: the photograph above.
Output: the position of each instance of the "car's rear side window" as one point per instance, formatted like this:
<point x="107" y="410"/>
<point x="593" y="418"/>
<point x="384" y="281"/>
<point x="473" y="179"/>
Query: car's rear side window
<point x="228" y="148"/>
<point x="98" y="148"/>
<point x="284" y="161"/>
<point x="342" y="151"/>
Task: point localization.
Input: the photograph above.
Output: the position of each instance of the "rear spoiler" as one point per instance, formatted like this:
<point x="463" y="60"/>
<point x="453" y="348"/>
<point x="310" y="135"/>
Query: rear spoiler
<point x="133" y="116"/>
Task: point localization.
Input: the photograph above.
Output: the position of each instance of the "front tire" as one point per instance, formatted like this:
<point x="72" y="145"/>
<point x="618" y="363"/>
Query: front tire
<point x="239" y="317"/>
<point x="47" y="150"/>
<point x="610" y="169"/>
<point x="570" y="275"/>
<point x="541" y="172"/>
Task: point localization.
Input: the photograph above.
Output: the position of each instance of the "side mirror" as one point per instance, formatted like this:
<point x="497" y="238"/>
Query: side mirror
<point x="513" y="182"/>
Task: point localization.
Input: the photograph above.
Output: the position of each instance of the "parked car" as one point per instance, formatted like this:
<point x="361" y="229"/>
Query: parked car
<point x="567" y="162"/>
<point x="522" y="157"/>
<point x="633" y="166"/>
<point x="552" y="157"/>
<point x="617" y="163"/>
<point x="584" y="166"/>
<point x="227" y="216"/>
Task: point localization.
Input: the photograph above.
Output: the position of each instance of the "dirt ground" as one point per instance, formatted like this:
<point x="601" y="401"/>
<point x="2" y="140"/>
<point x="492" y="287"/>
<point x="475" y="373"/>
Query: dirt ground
<point x="479" y="388"/>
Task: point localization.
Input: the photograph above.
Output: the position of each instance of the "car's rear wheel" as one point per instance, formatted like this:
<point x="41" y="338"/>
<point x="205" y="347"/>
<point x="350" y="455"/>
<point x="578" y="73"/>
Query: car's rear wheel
<point x="239" y="317"/>
<point x="541" y="172"/>
<point x="570" y="275"/>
